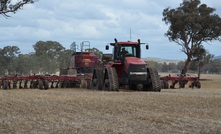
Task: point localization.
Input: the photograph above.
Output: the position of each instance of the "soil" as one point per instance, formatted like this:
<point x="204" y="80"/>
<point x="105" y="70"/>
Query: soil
<point x="88" y="111"/>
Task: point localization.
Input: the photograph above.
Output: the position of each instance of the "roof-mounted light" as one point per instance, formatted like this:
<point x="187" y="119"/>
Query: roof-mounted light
<point x="138" y="41"/>
<point x="115" y="40"/>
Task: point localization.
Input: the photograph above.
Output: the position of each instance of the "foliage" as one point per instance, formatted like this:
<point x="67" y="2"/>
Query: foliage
<point x="47" y="58"/>
<point x="51" y="48"/>
<point x="207" y="65"/>
<point x="202" y="57"/>
<point x="24" y="64"/>
<point x="50" y="56"/>
<point x="7" y="6"/>
<point x="215" y="67"/>
<point x="96" y="52"/>
<point x="64" y="58"/>
<point x="7" y="55"/>
<point x="154" y="64"/>
<point x="47" y="54"/>
<point x="162" y="67"/>
<point x="191" y="24"/>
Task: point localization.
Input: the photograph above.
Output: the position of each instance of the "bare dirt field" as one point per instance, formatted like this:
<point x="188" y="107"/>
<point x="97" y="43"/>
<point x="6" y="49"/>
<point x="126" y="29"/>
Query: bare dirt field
<point x="87" y="111"/>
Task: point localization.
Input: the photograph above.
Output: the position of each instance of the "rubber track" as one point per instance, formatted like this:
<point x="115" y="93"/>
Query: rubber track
<point x="156" y="85"/>
<point x="113" y="79"/>
<point x="107" y="80"/>
<point x="99" y="77"/>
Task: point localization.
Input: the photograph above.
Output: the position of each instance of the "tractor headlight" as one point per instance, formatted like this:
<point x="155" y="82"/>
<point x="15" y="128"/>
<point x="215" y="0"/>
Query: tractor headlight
<point x="138" y="73"/>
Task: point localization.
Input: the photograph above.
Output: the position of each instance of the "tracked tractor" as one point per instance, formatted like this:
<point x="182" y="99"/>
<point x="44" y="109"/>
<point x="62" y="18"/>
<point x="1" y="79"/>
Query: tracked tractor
<point x="127" y="70"/>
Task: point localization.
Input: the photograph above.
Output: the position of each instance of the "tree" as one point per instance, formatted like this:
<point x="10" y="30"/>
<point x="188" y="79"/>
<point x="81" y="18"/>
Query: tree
<point x="7" y="57"/>
<point x="47" y="55"/>
<point x="191" y="24"/>
<point x="215" y="67"/>
<point x="180" y="65"/>
<point x="202" y="57"/>
<point x="165" y="67"/>
<point x="52" y="48"/>
<point x="7" y="6"/>
<point x="24" y="64"/>
<point x="96" y="52"/>
<point x="155" y="64"/>
<point x="64" y="58"/>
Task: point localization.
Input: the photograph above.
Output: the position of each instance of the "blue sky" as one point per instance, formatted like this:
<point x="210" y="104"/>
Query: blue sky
<point x="97" y="21"/>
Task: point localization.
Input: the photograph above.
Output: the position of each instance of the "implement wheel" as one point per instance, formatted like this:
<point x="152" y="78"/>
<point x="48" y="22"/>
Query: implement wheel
<point x="164" y="84"/>
<point x="198" y="85"/>
<point x="46" y="84"/>
<point x="5" y="84"/>
<point x="83" y="84"/>
<point x="40" y="84"/>
<point x="34" y="84"/>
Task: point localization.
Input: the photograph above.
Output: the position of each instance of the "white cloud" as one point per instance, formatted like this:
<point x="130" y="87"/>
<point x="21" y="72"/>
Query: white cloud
<point x="98" y="21"/>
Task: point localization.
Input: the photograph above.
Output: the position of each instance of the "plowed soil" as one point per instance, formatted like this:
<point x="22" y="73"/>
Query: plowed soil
<point x="88" y="111"/>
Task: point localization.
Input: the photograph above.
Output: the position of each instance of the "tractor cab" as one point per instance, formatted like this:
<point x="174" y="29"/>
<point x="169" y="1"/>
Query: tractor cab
<point x="126" y="49"/>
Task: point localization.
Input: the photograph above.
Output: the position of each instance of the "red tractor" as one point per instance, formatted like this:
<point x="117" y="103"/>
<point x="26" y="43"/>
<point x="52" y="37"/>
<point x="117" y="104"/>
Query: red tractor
<point x="126" y="69"/>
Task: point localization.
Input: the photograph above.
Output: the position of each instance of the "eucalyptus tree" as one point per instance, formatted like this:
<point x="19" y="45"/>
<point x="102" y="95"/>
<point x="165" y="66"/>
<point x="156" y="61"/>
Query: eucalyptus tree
<point x="8" y="55"/>
<point x="10" y="6"/>
<point x="47" y="55"/>
<point x="191" y="25"/>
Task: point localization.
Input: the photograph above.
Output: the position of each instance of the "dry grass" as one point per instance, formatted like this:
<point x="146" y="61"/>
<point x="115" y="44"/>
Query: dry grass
<point x="84" y="111"/>
<point x="213" y="81"/>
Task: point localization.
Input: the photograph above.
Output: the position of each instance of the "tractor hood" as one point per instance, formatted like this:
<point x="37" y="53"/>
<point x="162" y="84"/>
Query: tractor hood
<point x="133" y="61"/>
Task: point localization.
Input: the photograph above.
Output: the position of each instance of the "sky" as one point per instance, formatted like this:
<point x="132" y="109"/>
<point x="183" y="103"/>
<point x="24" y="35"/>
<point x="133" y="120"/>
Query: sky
<point x="97" y="21"/>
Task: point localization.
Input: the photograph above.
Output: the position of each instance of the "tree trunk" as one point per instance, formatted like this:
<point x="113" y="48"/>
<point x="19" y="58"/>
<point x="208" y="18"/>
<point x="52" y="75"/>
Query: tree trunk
<point x="186" y="66"/>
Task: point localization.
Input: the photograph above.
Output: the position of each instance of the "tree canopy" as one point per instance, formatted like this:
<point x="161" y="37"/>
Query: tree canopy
<point x="48" y="53"/>
<point x="8" y="55"/>
<point x="96" y="52"/>
<point x="9" y="6"/>
<point x="190" y="25"/>
<point x="50" y="56"/>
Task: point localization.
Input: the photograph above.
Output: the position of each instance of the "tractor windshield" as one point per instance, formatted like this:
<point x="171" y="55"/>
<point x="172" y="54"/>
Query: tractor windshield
<point x="130" y="51"/>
